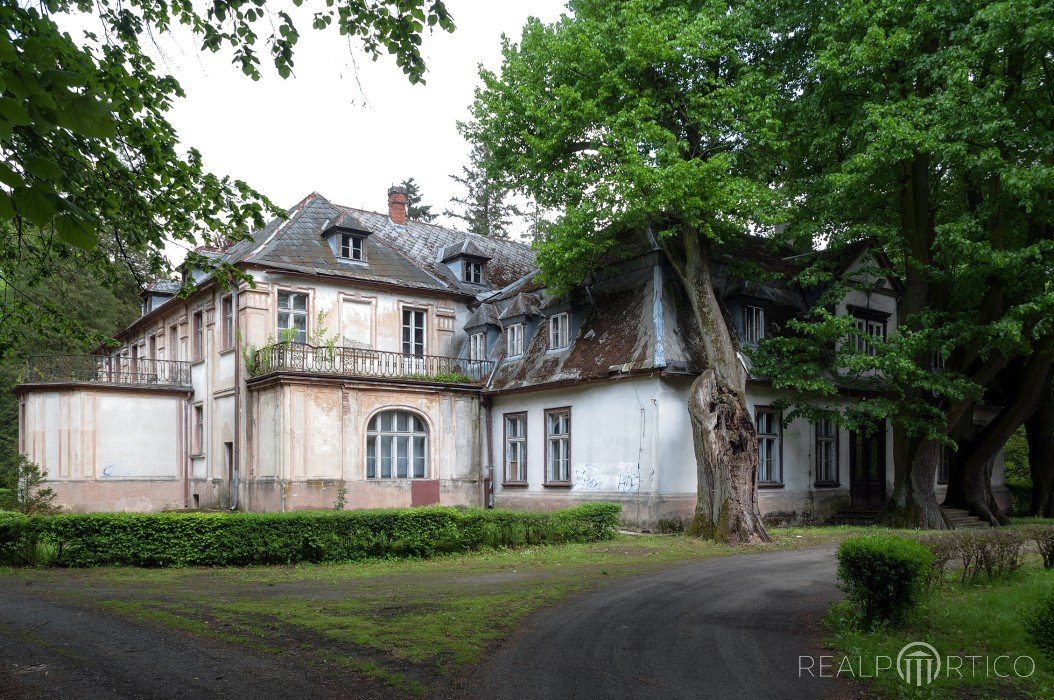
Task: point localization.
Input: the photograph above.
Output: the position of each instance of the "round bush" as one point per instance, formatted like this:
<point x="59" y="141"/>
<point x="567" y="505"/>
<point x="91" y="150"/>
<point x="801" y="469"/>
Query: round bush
<point x="885" y="576"/>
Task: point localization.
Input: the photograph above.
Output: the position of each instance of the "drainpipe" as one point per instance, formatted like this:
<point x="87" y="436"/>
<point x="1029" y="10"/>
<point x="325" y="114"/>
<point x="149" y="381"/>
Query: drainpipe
<point x="236" y="449"/>
<point x="488" y="488"/>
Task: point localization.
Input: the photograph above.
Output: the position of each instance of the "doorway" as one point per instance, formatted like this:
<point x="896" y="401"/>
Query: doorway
<point x="867" y="469"/>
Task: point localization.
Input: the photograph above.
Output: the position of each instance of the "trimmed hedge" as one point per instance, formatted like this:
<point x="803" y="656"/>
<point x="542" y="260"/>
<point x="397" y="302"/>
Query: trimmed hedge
<point x="241" y="539"/>
<point x="885" y="576"/>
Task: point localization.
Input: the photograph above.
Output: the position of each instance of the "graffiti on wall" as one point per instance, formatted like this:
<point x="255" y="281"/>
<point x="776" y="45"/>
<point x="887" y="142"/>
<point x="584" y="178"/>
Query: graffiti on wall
<point x="623" y="477"/>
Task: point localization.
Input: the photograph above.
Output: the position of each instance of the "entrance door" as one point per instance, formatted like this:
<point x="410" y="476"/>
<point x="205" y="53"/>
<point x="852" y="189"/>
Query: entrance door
<point x="867" y="469"/>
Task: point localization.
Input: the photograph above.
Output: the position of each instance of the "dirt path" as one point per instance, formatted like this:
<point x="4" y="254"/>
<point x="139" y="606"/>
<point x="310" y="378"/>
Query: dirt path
<point x="731" y="627"/>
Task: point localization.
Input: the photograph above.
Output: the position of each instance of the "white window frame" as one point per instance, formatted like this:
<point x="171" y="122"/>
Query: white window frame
<point x="770" y="447"/>
<point x="352" y="247"/>
<point x="199" y="429"/>
<point x="413" y="346"/>
<point x="291" y="313"/>
<point x="515" y="448"/>
<point x="472" y="271"/>
<point x="514" y="340"/>
<point x="477" y="346"/>
<point x="868" y="328"/>
<point x="400" y="441"/>
<point x="227" y="321"/>
<point x="826" y="434"/>
<point x="753" y="324"/>
<point x="558" y="446"/>
<point x="197" y="325"/>
<point x="560" y="331"/>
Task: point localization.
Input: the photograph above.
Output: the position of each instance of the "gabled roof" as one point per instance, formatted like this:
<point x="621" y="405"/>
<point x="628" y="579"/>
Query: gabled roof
<point x="467" y="248"/>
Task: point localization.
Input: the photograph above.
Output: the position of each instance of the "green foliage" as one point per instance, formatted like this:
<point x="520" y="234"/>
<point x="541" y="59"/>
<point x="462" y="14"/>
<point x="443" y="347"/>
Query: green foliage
<point x="1043" y="536"/>
<point x="342" y="497"/>
<point x="414" y="209"/>
<point x="1015" y="459"/>
<point x="484" y="207"/>
<point x="241" y="539"/>
<point x="884" y="576"/>
<point x="1039" y="625"/>
<point x="25" y="491"/>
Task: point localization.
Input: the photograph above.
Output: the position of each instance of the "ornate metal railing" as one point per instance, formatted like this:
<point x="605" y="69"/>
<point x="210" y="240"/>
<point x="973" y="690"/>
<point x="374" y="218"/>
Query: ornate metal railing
<point x="358" y="362"/>
<point x="101" y="369"/>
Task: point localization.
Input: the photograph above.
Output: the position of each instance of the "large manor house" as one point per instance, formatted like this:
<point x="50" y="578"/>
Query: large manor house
<point x="390" y="362"/>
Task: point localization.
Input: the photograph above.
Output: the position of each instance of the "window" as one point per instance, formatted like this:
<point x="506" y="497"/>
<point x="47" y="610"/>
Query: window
<point x="944" y="464"/>
<point x="414" y="332"/>
<point x="514" y="340"/>
<point x="938" y="362"/>
<point x="753" y="324"/>
<point x="826" y="452"/>
<point x="558" y="332"/>
<point x="172" y="344"/>
<point x="472" y="271"/>
<point x="199" y="430"/>
<point x="770" y="471"/>
<point x="396" y="446"/>
<point x="227" y="306"/>
<point x="516" y="448"/>
<point x="292" y="314"/>
<point x="477" y="346"/>
<point x="558" y="446"/>
<point x="199" y="335"/>
<point x="151" y="347"/>
<point x="352" y="247"/>
<point x="868" y="328"/>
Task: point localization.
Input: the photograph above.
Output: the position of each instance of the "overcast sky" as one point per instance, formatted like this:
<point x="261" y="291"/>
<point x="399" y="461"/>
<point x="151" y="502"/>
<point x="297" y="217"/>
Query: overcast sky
<point x="343" y="125"/>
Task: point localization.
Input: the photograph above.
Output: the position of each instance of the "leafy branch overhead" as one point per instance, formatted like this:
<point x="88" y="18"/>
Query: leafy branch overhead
<point x="83" y="131"/>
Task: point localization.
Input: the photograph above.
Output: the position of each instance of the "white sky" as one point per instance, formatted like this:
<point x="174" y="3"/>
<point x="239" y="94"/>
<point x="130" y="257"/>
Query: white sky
<point x="343" y="125"/>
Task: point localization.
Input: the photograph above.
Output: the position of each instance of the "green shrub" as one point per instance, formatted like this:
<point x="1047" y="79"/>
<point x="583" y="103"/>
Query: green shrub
<point x="993" y="553"/>
<point x="15" y="537"/>
<point x="240" y="539"/>
<point x="1043" y="536"/>
<point x="1039" y="625"/>
<point x="884" y="576"/>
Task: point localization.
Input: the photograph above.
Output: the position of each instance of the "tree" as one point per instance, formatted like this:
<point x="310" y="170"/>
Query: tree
<point x="87" y="149"/>
<point x="927" y="128"/>
<point x="484" y="207"/>
<point x="648" y="114"/>
<point x="414" y="209"/>
<point x="1039" y="429"/>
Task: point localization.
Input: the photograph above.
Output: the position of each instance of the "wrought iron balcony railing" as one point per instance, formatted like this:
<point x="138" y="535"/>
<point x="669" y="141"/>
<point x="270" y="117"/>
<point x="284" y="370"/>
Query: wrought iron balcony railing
<point x="100" y="369"/>
<point x="358" y="362"/>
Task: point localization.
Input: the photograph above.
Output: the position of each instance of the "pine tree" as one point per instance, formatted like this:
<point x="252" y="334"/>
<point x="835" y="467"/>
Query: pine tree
<point x="483" y="207"/>
<point x="414" y="209"/>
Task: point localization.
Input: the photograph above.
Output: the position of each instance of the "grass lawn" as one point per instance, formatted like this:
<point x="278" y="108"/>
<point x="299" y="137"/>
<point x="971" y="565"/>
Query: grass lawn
<point x="961" y="620"/>
<point x="413" y="625"/>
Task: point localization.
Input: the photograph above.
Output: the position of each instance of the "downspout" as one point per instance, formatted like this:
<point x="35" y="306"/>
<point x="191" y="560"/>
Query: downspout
<point x="236" y="449"/>
<point x="186" y="451"/>
<point x="489" y="481"/>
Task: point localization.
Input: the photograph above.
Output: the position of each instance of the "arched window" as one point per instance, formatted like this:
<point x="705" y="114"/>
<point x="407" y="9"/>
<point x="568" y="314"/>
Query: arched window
<point x="396" y="446"/>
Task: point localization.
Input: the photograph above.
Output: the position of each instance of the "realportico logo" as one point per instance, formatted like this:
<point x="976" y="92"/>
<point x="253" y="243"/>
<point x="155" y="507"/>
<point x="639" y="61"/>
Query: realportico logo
<point x="918" y="664"/>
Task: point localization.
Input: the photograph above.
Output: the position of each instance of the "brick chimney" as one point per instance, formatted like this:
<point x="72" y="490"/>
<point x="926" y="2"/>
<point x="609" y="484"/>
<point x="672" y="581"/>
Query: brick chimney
<point x="397" y="204"/>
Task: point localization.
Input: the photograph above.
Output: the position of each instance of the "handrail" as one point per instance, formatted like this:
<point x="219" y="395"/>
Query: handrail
<point x="362" y="362"/>
<point x="104" y="369"/>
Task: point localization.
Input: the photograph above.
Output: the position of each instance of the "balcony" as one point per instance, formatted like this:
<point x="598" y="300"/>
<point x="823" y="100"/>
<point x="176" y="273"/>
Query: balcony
<point x="100" y="369"/>
<point x="367" y="364"/>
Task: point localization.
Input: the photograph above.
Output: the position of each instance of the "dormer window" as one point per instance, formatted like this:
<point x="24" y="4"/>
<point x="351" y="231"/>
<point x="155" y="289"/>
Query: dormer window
<point x="477" y="346"/>
<point x="753" y="324"/>
<point x="472" y="271"/>
<point x="559" y="331"/>
<point x="352" y="247"/>
<point x="514" y="340"/>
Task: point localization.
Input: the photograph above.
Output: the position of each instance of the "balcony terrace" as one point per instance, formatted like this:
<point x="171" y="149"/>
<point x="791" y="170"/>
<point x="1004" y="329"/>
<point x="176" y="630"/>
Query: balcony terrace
<point x="367" y="364"/>
<point x="105" y="370"/>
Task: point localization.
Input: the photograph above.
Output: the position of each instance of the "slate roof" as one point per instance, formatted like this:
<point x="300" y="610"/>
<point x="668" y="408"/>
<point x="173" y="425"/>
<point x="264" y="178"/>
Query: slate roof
<point x="408" y="256"/>
<point x="162" y="286"/>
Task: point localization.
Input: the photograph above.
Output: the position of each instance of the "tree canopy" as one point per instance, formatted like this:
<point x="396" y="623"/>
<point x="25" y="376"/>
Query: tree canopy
<point x="414" y="208"/>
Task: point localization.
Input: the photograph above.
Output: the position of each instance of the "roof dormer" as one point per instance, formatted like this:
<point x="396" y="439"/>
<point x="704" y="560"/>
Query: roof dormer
<point x="467" y="261"/>
<point x="347" y="238"/>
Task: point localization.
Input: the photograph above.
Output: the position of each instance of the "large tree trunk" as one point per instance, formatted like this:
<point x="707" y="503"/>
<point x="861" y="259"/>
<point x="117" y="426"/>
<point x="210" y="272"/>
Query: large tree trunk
<point x="1039" y="430"/>
<point x="726" y="447"/>
<point x="914" y="504"/>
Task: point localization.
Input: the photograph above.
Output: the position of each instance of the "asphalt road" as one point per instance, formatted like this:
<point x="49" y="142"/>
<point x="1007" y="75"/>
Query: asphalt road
<point x="731" y="627"/>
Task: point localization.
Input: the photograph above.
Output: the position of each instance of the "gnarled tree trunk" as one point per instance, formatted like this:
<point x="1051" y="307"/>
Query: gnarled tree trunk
<point x="1039" y="431"/>
<point x="913" y="503"/>
<point x="726" y="446"/>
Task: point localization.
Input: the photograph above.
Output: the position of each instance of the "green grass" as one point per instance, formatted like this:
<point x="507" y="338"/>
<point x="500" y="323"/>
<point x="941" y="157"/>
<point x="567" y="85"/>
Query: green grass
<point x="958" y="619"/>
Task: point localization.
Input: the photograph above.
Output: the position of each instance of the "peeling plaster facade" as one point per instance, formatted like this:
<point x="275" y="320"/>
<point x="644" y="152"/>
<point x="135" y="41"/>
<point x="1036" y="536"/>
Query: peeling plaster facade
<point x="285" y="437"/>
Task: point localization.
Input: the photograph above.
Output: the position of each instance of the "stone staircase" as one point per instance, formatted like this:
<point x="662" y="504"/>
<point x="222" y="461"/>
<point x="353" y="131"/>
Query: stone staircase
<point x="963" y="520"/>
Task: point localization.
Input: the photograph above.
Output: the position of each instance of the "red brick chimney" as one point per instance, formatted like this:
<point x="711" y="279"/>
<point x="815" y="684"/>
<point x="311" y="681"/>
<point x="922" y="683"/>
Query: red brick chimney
<point x="397" y="204"/>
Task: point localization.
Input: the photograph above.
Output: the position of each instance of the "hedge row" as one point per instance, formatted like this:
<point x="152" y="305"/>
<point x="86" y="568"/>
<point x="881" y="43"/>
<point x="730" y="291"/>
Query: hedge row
<point x="240" y="539"/>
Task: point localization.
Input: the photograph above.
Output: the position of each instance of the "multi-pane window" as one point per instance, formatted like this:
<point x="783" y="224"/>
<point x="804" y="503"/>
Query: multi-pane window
<point x="938" y="361"/>
<point x="514" y="340"/>
<point x="826" y="452"/>
<point x="753" y="324"/>
<point x="292" y="314"/>
<point x="396" y="446"/>
<point x="199" y="430"/>
<point x="558" y="446"/>
<point x="199" y="335"/>
<point x="944" y="464"/>
<point x="768" y="426"/>
<point x="559" y="331"/>
<point x="473" y="271"/>
<point x="414" y="332"/>
<point x="866" y="330"/>
<point x="352" y="247"/>
<point x="515" y="448"/>
<point x="227" y="306"/>
<point x="477" y="346"/>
